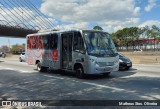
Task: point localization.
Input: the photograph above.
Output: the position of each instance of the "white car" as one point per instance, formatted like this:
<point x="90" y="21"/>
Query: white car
<point x="22" y="57"/>
<point x="2" y="54"/>
<point x="138" y="50"/>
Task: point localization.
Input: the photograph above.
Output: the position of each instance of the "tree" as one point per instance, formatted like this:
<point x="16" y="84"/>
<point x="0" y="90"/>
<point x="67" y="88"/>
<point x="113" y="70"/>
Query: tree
<point x="5" y="48"/>
<point x="133" y="34"/>
<point x="97" y="28"/>
<point x="155" y="32"/>
<point x="141" y="34"/>
<point x="126" y="36"/>
<point x="130" y="36"/>
<point x="18" y="48"/>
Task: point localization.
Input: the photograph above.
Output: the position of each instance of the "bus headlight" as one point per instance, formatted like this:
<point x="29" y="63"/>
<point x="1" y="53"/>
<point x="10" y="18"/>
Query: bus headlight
<point x="116" y="61"/>
<point x="95" y="62"/>
<point x="120" y="60"/>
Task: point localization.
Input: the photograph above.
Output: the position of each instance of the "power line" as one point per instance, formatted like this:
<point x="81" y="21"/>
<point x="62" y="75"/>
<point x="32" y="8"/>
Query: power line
<point x="16" y="13"/>
<point x="31" y="4"/>
<point x="21" y="4"/>
<point x="24" y="6"/>
<point x="43" y="20"/>
<point x="8" y="14"/>
<point x="25" y="16"/>
<point x="4" y="16"/>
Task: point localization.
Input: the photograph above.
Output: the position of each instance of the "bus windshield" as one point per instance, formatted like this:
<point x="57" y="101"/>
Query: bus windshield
<point x="99" y="43"/>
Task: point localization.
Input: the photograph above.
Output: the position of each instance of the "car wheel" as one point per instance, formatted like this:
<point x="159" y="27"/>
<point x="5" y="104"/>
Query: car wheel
<point x="127" y="68"/>
<point x="3" y="56"/>
<point x="80" y="72"/>
<point x="20" y="59"/>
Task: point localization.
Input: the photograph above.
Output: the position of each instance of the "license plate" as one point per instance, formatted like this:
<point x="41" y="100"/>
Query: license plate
<point x="107" y="69"/>
<point x="128" y="64"/>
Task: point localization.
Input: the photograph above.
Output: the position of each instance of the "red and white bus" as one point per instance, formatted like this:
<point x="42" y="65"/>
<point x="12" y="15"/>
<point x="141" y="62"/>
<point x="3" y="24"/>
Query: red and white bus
<point x="82" y="51"/>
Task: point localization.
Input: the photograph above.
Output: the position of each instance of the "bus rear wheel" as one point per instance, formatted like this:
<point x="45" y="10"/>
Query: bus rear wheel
<point x="40" y="68"/>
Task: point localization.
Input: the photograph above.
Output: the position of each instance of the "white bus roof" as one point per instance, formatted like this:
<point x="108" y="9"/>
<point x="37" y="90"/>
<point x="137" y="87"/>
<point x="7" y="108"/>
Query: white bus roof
<point x="60" y="31"/>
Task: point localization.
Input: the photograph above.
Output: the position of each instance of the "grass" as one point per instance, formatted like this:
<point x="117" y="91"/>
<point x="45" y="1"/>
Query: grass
<point x="143" y="57"/>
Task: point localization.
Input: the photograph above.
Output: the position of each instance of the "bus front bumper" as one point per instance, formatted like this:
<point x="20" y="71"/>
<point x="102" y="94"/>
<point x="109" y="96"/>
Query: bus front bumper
<point x="101" y="70"/>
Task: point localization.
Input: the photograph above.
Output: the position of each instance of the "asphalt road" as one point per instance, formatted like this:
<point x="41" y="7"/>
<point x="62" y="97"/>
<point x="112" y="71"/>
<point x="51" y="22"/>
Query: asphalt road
<point x="23" y="82"/>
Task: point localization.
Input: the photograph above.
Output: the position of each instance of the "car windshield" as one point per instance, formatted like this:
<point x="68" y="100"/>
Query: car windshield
<point x="99" y="43"/>
<point x="23" y="53"/>
<point x="120" y="55"/>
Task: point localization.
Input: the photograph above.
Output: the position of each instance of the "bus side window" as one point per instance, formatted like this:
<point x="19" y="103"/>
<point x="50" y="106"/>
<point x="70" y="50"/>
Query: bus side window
<point x="53" y="41"/>
<point x="28" y="43"/>
<point x="46" y="41"/>
<point x="78" y="42"/>
<point x="41" y="45"/>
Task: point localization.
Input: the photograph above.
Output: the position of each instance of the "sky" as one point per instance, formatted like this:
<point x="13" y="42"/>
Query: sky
<point x="111" y="15"/>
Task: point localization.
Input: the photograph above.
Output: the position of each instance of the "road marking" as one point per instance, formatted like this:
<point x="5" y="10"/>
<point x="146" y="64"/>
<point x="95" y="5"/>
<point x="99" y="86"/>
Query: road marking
<point x="88" y="83"/>
<point x="9" y="68"/>
<point x="6" y="68"/>
<point x="146" y="65"/>
<point x="54" y="77"/>
<point x="112" y="88"/>
<point x="93" y="84"/>
<point x="103" y="86"/>
<point x="24" y="71"/>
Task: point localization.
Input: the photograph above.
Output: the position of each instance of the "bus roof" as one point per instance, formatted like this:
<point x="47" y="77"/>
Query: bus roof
<point x="60" y="31"/>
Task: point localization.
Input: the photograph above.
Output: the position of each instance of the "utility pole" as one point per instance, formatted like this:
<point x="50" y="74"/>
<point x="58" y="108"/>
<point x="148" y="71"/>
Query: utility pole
<point x="9" y="45"/>
<point x="22" y="20"/>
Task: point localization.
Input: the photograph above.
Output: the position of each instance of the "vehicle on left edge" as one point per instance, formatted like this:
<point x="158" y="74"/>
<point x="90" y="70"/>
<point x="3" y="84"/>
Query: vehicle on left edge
<point x="2" y="54"/>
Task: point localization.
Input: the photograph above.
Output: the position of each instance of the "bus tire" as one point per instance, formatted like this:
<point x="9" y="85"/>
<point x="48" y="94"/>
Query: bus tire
<point x="80" y="72"/>
<point x="40" y="68"/>
<point x="106" y="74"/>
<point x="127" y="68"/>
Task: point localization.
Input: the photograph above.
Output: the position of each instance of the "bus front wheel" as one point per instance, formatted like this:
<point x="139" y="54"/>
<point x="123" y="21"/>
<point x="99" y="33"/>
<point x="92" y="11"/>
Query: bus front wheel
<point x="106" y="74"/>
<point x="80" y="72"/>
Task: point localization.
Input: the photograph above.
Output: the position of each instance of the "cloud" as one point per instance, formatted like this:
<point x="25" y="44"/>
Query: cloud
<point x="114" y="25"/>
<point x="43" y="22"/>
<point x="126" y="22"/>
<point x="80" y="25"/>
<point x="90" y="10"/>
<point x="151" y="4"/>
<point x="22" y="17"/>
<point x="150" y="23"/>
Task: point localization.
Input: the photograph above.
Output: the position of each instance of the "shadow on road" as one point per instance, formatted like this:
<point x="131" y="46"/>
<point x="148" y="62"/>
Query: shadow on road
<point x="23" y="86"/>
<point x="93" y="76"/>
<point x="131" y="69"/>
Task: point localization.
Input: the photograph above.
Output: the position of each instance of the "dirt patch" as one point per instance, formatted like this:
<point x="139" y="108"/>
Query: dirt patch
<point x="136" y="57"/>
<point x="12" y="56"/>
<point x="143" y="57"/>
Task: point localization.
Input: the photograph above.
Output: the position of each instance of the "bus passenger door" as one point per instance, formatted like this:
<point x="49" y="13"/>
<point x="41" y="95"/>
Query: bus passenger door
<point x="67" y="50"/>
<point x="54" y="59"/>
